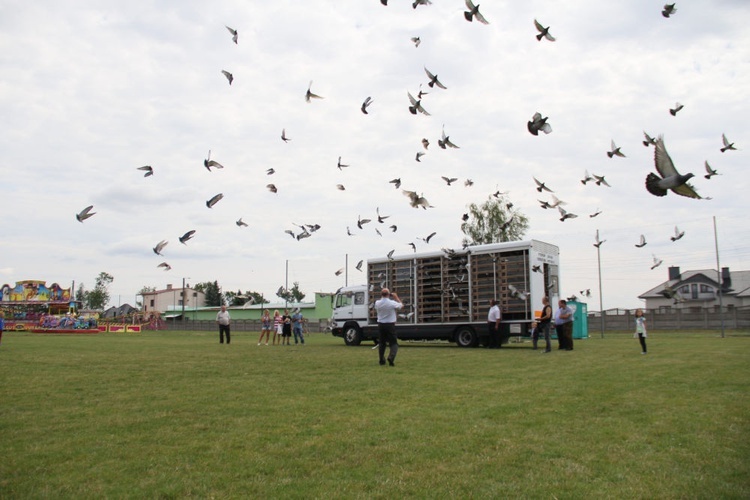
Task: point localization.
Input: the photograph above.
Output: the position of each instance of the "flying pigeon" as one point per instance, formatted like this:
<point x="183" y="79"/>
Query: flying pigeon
<point x="595" y="213"/>
<point x="283" y="135"/>
<point x="208" y="162"/>
<point x="657" y="262"/>
<point x="586" y="178"/>
<point x="390" y="257"/>
<point x="393" y="228"/>
<point x="413" y="246"/>
<point x="473" y="12"/>
<point x="272" y="188"/>
<point x="233" y="32"/>
<point x="670" y="177"/>
<point x="85" y="213"/>
<point x="365" y="104"/>
<point x="241" y="223"/>
<point x="270" y="171"/>
<point x="187" y="236"/>
<point x="671" y="293"/>
<point x="642" y="242"/>
<point x="537" y="268"/>
<point x="555" y="202"/>
<point x="384" y="2"/>
<point x="545" y="204"/>
<point x="538" y="123"/>
<point x="416" y="41"/>
<point x="419" y="155"/>
<point x="615" y="151"/>
<point x="449" y="180"/>
<point x="361" y="221"/>
<point x="468" y="182"/>
<point x="540" y="186"/>
<point x="650" y="141"/>
<point x="340" y="187"/>
<point x="433" y="80"/>
<point x="515" y="292"/>
<point x="340" y="165"/>
<point x="290" y="233"/>
<point x="600" y="180"/>
<point x="709" y="171"/>
<point x="416" y="200"/>
<point x="668" y="10"/>
<point x="598" y="241"/>
<point x="543" y="32"/>
<point x="395" y="182"/>
<point x="214" y="200"/>
<point x="358" y="267"/>
<point x="420" y="2"/>
<point x="677" y="234"/>
<point x="445" y="141"/>
<point x="425" y="143"/>
<point x="564" y="215"/>
<point x="309" y="95"/>
<point x="148" y="169"/>
<point x="416" y="106"/>
<point x="160" y="246"/>
<point x="381" y="218"/>
<point x="339" y="272"/>
<point x="228" y="75"/>
<point x="465" y="217"/>
<point x="428" y="238"/>
<point x="677" y="107"/>
<point x="727" y="144"/>
<point x="166" y="266"/>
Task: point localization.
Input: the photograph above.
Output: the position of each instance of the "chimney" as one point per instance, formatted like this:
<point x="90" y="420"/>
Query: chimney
<point x="726" y="278"/>
<point x="169" y="287"/>
<point x="674" y="273"/>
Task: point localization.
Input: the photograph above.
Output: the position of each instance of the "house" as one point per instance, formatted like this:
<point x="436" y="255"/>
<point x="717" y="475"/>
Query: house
<point x="173" y="300"/>
<point x="700" y="290"/>
<point x="320" y="308"/>
<point x="118" y="312"/>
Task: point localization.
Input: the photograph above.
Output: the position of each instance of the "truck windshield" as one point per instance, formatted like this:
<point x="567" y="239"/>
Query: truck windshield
<point x="343" y="300"/>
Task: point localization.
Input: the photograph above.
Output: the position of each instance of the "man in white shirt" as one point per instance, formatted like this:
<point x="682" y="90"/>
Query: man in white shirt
<point x="223" y="319"/>
<point x="493" y="325"/>
<point x="386" y="308"/>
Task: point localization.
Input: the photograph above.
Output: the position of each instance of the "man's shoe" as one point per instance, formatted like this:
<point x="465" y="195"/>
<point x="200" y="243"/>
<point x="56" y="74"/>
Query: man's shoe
<point x="382" y="362"/>
<point x="390" y="362"/>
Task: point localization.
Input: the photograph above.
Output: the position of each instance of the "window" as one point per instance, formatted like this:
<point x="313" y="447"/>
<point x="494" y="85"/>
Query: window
<point x="706" y="289"/>
<point x="152" y="303"/>
<point x="359" y="298"/>
<point x="685" y="289"/>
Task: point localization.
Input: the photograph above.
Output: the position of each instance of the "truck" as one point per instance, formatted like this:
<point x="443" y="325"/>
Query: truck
<point x="446" y="293"/>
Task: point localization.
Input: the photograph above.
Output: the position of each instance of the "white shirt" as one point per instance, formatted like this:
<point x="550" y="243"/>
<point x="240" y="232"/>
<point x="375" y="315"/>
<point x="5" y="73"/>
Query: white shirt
<point x="386" y="309"/>
<point x="222" y="317"/>
<point x="494" y="314"/>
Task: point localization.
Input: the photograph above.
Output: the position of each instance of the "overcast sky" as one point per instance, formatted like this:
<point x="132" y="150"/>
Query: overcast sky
<point x="92" y="90"/>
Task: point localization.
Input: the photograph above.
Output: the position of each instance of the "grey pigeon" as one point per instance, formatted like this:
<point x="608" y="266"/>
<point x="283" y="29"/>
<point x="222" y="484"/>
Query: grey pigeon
<point x="445" y="141"/>
<point x="709" y="171"/>
<point x="668" y="10"/>
<point x="650" y="141"/>
<point x="586" y="178"/>
<point x="669" y="178"/>
<point x="420" y="2"/>
<point x="600" y="180"/>
<point x="468" y="182"/>
<point x="228" y="75"/>
<point x="283" y="135"/>
<point x="420" y="154"/>
<point x="160" y="246"/>
<point x="727" y="145"/>
<point x="272" y="188"/>
<point x="208" y="162"/>
<point x="270" y="171"/>
<point x="340" y="187"/>
<point x="677" y="107"/>
<point x="361" y="221"/>
<point x="615" y="151"/>
<point x="240" y="222"/>
<point x="449" y="180"/>
<point x="85" y="213"/>
<point x="358" y="267"/>
<point x="598" y="242"/>
<point x="541" y="187"/>
<point x="433" y="80"/>
<point x="340" y="165"/>
<point x="677" y="234"/>
<point x="538" y="123"/>
<point x="309" y="95"/>
<point x="416" y="105"/>
<point x="598" y="212"/>
<point x="657" y="262"/>
<point x="429" y="237"/>
<point x="642" y="242"/>
<point x="396" y="182"/>
<point x="214" y="200"/>
<point x="425" y="143"/>
<point x="365" y="104"/>
<point x="381" y="218"/>
<point x="185" y="237"/>
<point x="473" y="12"/>
<point x="233" y="32"/>
<point x="565" y="215"/>
<point x="416" y="41"/>
<point x="166" y="266"/>
<point x="543" y="32"/>
<point x="417" y="200"/>
<point x="148" y="169"/>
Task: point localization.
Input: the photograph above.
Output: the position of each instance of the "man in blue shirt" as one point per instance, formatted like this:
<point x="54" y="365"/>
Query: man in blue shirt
<point x="386" y="308"/>
<point x="297" y="327"/>
<point x="564" y="326"/>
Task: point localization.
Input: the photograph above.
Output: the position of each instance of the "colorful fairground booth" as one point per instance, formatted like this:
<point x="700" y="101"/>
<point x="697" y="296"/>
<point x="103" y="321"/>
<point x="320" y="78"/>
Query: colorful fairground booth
<point x="32" y="305"/>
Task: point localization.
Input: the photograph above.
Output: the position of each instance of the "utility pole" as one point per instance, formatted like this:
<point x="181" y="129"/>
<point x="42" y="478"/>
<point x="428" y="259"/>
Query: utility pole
<point x="719" y="280"/>
<point x="346" y="270"/>
<point x="599" y="262"/>
<point x="286" y="285"/>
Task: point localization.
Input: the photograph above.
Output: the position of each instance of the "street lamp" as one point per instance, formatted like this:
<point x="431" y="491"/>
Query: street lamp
<point x="184" y="295"/>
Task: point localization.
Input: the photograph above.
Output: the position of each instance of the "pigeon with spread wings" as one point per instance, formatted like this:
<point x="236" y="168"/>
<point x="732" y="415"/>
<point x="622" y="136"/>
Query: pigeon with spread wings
<point x="669" y="178"/>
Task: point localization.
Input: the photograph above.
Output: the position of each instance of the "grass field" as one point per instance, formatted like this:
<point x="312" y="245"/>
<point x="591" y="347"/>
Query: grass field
<point x="177" y="415"/>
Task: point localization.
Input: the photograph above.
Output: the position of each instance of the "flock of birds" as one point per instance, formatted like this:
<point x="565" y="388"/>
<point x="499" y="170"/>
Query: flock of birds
<point x="666" y="178"/>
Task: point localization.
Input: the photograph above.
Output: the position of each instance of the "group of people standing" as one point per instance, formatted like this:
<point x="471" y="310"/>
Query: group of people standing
<point x="280" y="326"/>
<point x="563" y="321"/>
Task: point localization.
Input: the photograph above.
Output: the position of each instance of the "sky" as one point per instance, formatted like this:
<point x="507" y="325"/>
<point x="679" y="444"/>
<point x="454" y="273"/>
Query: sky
<point x="92" y="90"/>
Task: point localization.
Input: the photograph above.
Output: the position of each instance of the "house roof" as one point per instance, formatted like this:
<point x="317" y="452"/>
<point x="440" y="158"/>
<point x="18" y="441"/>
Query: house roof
<point x="173" y="289"/>
<point x="739" y="287"/>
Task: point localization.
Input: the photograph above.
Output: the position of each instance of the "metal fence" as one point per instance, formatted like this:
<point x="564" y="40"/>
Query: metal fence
<point x="734" y="318"/>
<point x="240" y="325"/>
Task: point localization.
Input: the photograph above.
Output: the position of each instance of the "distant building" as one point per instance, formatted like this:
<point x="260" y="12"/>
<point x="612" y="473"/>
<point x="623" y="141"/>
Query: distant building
<point x="118" y="312"/>
<point x="173" y="299"/>
<point x="700" y="290"/>
<point x="321" y="308"/>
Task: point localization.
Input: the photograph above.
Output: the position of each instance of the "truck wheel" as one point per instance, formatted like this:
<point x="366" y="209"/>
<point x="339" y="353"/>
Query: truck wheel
<point x="352" y="335"/>
<point x="466" y="337"/>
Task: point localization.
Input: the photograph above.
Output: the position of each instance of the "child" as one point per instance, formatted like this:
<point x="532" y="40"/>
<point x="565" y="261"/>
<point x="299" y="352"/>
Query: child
<point x="640" y="329"/>
<point x="534" y="333"/>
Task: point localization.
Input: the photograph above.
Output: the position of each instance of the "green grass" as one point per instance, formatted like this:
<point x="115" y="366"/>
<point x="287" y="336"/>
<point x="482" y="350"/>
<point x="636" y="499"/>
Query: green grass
<point x="176" y="415"/>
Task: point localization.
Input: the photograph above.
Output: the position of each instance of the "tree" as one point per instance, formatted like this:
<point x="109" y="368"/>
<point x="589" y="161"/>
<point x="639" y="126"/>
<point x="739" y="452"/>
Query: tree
<point x="293" y="294"/>
<point x="494" y="221"/>
<point x="99" y="296"/>
<point x="214" y="297"/>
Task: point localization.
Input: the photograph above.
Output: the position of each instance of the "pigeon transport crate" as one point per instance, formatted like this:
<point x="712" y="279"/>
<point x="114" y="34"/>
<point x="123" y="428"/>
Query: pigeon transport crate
<point x="446" y="293"/>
